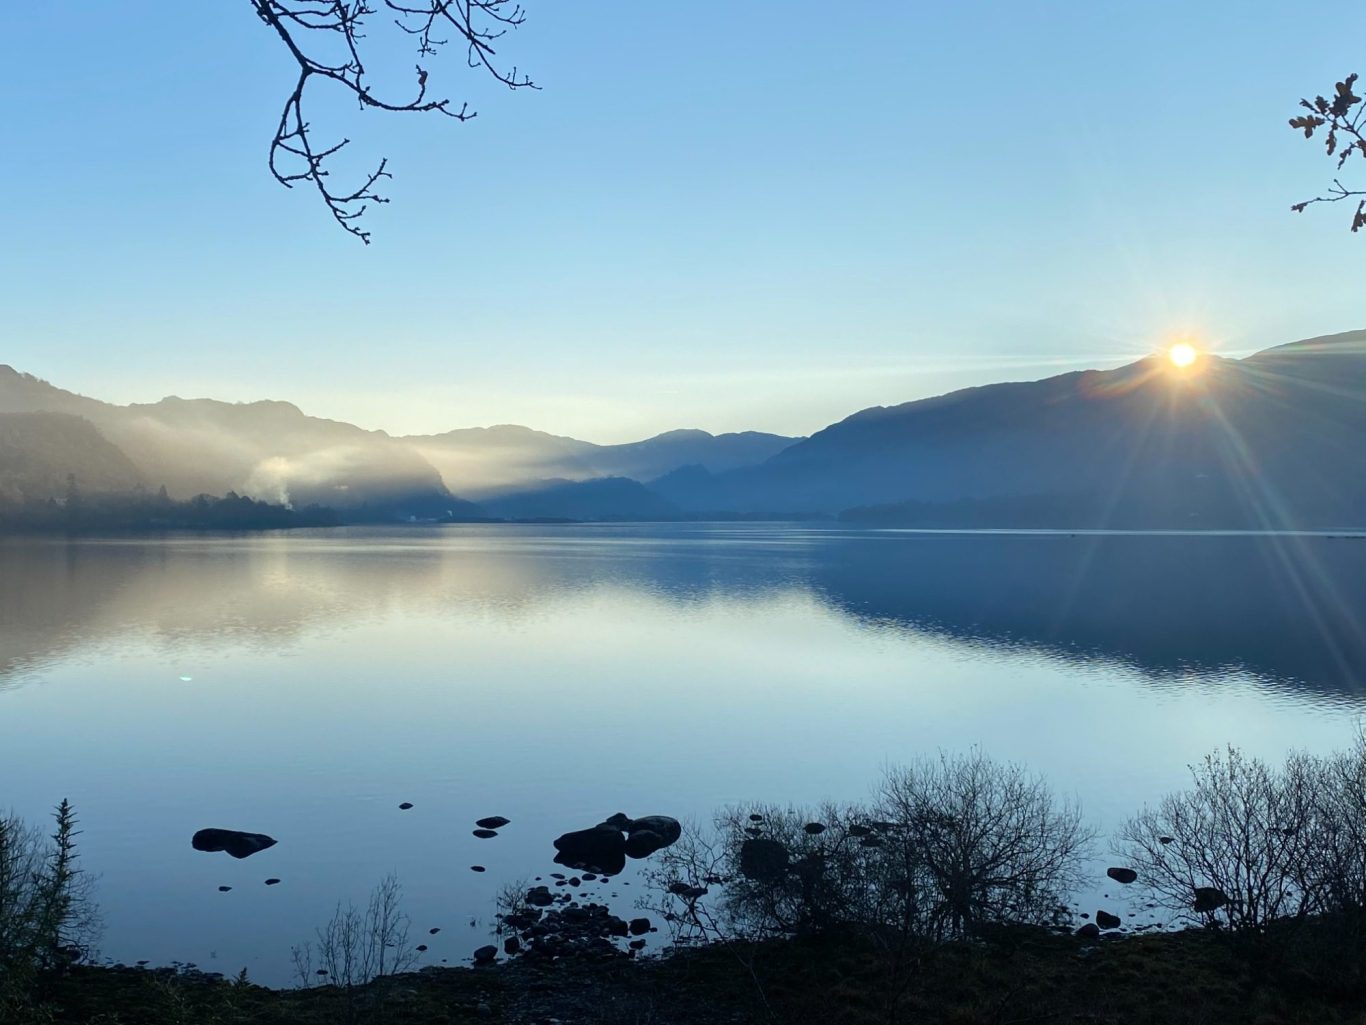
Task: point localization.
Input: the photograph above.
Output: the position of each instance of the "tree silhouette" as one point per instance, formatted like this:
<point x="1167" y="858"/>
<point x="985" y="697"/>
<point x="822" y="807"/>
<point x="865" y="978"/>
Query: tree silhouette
<point x="1343" y="121"/>
<point x="328" y="41"/>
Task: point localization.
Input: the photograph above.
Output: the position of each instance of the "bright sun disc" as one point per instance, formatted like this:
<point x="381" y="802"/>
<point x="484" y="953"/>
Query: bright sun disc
<point x="1182" y="354"/>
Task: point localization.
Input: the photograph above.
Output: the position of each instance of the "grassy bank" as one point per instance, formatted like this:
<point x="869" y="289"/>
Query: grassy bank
<point x="1020" y="976"/>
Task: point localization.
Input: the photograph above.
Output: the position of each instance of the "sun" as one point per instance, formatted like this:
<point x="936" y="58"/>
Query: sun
<point x="1183" y="354"/>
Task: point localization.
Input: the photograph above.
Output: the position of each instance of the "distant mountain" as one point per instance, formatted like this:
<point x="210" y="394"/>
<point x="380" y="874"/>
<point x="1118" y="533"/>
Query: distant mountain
<point x="274" y="452"/>
<point x="603" y="498"/>
<point x="1273" y="440"/>
<point x="1277" y="439"/>
<point x="40" y="453"/>
<point x="483" y="462"/>
<point x="267" y="450"/>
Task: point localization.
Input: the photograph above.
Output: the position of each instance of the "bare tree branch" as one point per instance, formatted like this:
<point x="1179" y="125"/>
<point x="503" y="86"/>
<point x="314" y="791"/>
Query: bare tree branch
<point x="308" y="28"/>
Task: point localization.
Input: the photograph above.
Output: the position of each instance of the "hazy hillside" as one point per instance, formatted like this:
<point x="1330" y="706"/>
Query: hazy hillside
<point x="268" y="450"/>
<point x="38" y="451"/>
<point x="1273" y="439"/>
<point x="275" y="452"/>
<point x="602" y="498"/>
<point x="482" y="462"/>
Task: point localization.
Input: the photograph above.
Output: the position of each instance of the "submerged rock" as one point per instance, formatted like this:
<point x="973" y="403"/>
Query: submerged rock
<point x="643" y="843"/>
<point x="667" y="828"/>
<point x="763" y="860"/>
<point x="484" y="834"/>
<point x="405" y="806"/>
<point x="492" y="822"/>
<point x="601" y="849"/>
<point x="1209" y="898"/>
<point x="235" y="843"/>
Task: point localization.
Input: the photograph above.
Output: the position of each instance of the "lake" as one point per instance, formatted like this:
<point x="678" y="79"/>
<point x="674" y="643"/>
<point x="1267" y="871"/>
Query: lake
<point x="304" y="684"/>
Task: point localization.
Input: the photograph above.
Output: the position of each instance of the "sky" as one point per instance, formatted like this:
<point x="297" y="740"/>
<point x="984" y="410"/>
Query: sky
<point x="726" y="216"/>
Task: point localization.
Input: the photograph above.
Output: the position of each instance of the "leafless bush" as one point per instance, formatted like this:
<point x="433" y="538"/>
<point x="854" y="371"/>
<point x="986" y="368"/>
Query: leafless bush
<point x="355" y="947"/>
<point x="948" y="846"/>
<point x="1240" y="849"/>
<point x="978" y="842"/>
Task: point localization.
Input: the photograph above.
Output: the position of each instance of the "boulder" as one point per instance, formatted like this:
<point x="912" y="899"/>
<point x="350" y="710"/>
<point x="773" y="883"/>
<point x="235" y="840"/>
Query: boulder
<point x="601" y="849"/>
<point x="1122" y="875"/>
<point x="539" y="897"/>
<point x="484" y="834"/>
<point x="233" y="842"/>
<point x="814" y="828"/>
<point x="492" y="822"/>
<point x="669" y="829"/>
<point x="1209" y="898"/>
<point x="486" y="955"/>
<point x="1089" y="931"/>
<point x="1106" y="920"/>
<point x="643" y="843"/>
<point x="763" y="860"/>
<point x="639" y="926"/>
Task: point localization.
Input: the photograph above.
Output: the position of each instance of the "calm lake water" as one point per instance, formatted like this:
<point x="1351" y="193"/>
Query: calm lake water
<point x="304" y="684"/>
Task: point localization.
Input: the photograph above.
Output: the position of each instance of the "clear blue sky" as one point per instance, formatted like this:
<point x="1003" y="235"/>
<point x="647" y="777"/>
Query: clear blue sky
<point x="762" y="215"/>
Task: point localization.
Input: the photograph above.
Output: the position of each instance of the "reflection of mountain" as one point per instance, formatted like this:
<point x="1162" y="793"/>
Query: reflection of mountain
<point x="1289" y="609"/>
<point x="1271" y="440"/>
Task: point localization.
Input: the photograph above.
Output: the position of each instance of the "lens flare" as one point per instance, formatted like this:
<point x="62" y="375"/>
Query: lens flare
<point x="1183" y="354"/>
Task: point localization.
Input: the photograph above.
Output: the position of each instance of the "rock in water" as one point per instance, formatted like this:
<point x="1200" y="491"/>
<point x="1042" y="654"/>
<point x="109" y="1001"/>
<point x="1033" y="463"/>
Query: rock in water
<point x="639" y="926"/>
<point x="405" y="806"/>
<point x="1209" y="898"/>
<point x="814" y="828"/>
<point x="661" y="825"/>
<point x="1089" y="931"/>
<point x="1106" y="920"/>
<point x="492" y="822"/>
<point x="272" y="882"/>
<point x="601" y="849"/>
<point x="539" y="897"/>
<point x="486" y="955"/>
<point x="485" y="834"/>
<point x="1122" y="875"/>
<point x="643" y="843"/>
<point x="235" y="843"/>
<point x="763" y="860"/>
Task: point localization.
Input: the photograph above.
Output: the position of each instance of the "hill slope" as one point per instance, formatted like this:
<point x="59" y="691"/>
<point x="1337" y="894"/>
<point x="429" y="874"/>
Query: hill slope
<point x="1275" y="439"/>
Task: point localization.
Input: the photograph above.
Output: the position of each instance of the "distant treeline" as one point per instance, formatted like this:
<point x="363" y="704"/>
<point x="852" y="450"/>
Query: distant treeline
<point x="79" y="512"/>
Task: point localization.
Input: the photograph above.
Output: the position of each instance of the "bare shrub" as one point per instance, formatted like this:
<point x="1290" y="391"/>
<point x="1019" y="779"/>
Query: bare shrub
<point x="47" y="916"/>
<point x="1240" y="849"/>
<point x="980" y="842"/>
<point x="355" y="947"/>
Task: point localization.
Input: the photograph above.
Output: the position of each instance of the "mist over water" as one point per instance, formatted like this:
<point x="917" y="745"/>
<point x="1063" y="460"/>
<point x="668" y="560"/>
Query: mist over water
<point x="304" y="684"/>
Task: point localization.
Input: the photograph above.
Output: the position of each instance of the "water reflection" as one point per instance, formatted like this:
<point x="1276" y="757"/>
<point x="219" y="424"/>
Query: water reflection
<point x="1289" y="609"/>
<point x="308" y="686"/>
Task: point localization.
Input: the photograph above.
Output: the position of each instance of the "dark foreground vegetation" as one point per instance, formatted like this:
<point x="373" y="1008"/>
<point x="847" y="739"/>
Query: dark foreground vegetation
<point x="144" y="511"/>
<point x="947" y="897"/>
